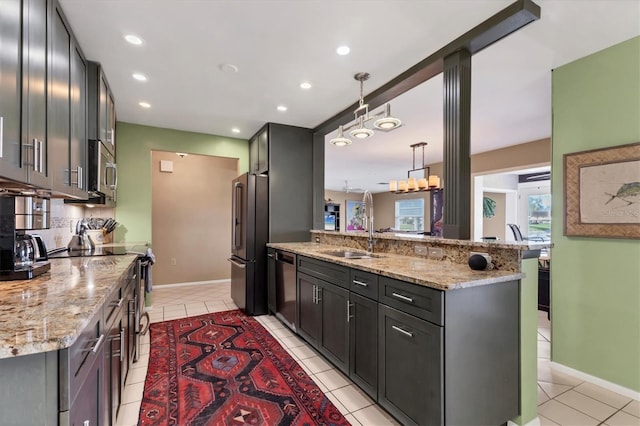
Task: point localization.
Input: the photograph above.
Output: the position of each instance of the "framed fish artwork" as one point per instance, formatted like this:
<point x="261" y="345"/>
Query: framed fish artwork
<point x="602" y="192"/>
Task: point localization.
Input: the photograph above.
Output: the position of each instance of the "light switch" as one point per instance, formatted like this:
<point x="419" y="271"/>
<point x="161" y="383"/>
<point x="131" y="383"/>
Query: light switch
<point x="166" y="166"/>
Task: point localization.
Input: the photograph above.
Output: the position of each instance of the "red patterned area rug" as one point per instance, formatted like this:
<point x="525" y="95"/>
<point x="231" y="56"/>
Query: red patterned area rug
<point x="226" y="369"/>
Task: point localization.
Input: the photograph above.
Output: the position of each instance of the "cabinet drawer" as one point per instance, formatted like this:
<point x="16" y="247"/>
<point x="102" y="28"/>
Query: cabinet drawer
<point x="76" y="360"/>
<point x="330" y="272"/>
<point x="113" y="304"/>
<point x="414" y="299"/>
<point x="364" y="283"/>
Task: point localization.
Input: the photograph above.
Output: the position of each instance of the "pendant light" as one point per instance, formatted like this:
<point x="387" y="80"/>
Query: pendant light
<point x="429" y="183"/>
<point x="387" y="122"/>
<point x="340" y="140"/>
<point x="357" y="128"/>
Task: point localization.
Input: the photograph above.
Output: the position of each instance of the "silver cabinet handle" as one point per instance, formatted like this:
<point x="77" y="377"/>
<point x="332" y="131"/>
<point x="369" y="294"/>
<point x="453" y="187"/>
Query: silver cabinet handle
<point x="1" y="135"/>
<point x="80" y="177"/>
<point x="401" y="297"/>
<point x="121" y="344"/>
<point x="314" y="294"/>
<point x="318" y="290"/>
<point x="86" y="423"/>
<point x="349" y="305"/>
<point x="405" y="332"/>
<point x="360" y="283"/>
<point x="41" y="159"/>
<point x="270" y="255"/>
<point x="96" y="347"/>
<point x="35" y="154"/>
<point x="117" y="304"/>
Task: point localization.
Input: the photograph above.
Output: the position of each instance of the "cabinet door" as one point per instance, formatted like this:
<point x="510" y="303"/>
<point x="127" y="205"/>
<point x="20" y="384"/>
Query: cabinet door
<point x="334" y="342"/>
<point x="115" y="359"/>
<point x="88" y="408"/>
<point x="410" y="382"/>
<point x="363" y="343"/>
<point x="253" y="155"/>
<point x="111" y="123"/>
<point x="271" y="280"/>
<point x="58" y="105"/>
<point x="35" y="93"/>
<point x="309" y="313"/>
<point x="78" y="137"/>
<point x="263" y="152"/>
<point x="10" y="87"/>
<point x="102" y="110"/>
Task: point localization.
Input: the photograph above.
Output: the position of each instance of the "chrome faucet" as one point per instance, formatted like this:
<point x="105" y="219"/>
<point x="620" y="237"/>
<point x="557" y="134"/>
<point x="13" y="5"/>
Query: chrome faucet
<point x="367" y="200"/>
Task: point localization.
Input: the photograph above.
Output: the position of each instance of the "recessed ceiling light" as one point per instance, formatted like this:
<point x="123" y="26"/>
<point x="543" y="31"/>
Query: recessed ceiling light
<point x="305" y="85"/>
<point x="228" y="68"/>
<point x="144" y="104"/>
<point x="343" y="50"/>
<point x="139" y="77"/>
<point x="235" y="130"/>
<point x="282" y="108"/>
<point x="133" y="39"/>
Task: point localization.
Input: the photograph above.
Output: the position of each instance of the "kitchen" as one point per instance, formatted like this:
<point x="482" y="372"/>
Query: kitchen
<point x="138" y="140"/>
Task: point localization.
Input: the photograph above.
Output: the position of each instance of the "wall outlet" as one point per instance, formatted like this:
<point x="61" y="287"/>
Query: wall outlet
<point x="436" y="253"/>
<point x="173" y="261"/>
<point x="485" y="255"/>
<point x="420" y="250"/>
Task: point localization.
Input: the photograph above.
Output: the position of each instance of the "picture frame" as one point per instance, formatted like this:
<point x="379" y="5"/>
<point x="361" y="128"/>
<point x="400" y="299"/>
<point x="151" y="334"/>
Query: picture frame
<point x="356" y="220"/>
<point x="602" y="192"/>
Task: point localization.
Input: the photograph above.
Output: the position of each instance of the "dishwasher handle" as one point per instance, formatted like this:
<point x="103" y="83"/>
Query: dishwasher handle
<point x="285" y="258"/>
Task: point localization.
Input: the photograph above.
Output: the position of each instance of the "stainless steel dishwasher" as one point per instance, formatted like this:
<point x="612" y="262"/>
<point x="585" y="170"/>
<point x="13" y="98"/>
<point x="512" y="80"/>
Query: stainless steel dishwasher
<point x="286" y="288"/>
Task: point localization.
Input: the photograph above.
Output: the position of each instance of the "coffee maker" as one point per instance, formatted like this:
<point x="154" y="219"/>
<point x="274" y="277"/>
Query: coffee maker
<point x="22" y="256"/>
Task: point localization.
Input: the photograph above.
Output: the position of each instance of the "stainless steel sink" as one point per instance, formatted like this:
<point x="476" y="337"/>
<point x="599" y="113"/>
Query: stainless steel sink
<point x="351" y="254"/>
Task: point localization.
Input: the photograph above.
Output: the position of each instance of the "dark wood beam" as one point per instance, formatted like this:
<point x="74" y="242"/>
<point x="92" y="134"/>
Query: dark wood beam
<point x="500" y="25"/>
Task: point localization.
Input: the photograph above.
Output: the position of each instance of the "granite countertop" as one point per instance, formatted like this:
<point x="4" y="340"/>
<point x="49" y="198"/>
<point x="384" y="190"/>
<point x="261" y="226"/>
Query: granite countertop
<point x="47" y="313"/>
<point x="515" y="245"/>
<point x="441" y="275"/>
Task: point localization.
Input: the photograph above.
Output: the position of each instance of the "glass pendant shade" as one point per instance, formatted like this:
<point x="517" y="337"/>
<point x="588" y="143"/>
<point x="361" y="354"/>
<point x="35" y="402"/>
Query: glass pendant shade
<point x="387" y="122"/>
<point x="340" y="140"/>
<point x="361" y="132"/>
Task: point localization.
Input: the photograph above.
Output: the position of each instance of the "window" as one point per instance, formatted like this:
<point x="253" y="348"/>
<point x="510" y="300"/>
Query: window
<point x="410" y="215"/>
<point x="539" y="216"/>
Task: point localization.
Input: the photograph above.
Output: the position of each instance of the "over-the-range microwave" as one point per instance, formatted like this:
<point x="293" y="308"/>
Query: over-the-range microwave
<point x="102" y="176"/>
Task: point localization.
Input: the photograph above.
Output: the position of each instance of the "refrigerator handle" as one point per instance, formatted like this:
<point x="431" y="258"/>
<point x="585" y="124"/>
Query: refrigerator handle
<point x="238" y="264"/>
<point x="237" y="198"/>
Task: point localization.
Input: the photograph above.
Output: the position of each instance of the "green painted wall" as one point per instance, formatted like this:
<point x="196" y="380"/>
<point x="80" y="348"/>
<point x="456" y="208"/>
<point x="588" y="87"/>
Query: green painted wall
<point x="133" y="156"/>
<point x="595" y="282"/>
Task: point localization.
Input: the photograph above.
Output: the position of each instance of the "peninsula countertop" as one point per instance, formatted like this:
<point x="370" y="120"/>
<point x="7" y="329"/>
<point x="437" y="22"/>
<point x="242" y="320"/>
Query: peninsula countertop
<point x="438" y="274"/>
<point x="47" y="313"/>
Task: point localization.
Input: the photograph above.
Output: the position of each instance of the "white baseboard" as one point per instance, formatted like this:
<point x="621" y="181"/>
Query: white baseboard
<point x="629" y="393"/>
<point x="534" y="422"/>
<point x="161" y="286"/>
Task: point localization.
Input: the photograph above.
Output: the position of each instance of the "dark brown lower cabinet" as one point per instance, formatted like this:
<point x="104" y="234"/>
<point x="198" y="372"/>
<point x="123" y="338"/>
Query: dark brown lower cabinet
<point x="309" y="312"/>
<point x="89" y="407"/>
<point x="363" y="343"/>
<point x="428" y="357"/>
<point x="410" y="382"/>
<point x="334" y="341"/>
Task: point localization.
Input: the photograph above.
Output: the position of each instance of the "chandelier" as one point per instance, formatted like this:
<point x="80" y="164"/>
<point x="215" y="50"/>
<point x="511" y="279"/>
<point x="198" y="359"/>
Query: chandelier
<point x="383" y="119"/>
<point x="412" y="184"/>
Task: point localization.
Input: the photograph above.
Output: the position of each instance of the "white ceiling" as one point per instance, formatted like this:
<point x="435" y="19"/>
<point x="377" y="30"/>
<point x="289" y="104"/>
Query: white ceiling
<point x="277" y="44"/>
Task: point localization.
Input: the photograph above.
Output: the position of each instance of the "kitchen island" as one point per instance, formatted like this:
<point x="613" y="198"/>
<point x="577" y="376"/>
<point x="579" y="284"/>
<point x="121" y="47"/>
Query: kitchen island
<point x="65" y="341"/>
<point x="452" y="345"/>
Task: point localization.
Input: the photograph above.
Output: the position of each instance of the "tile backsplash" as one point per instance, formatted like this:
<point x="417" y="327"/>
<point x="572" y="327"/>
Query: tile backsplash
<point x="63" y="222"/>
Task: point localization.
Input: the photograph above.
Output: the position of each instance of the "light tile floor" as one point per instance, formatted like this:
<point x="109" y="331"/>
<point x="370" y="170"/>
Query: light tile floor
<point x="562" y="399"/>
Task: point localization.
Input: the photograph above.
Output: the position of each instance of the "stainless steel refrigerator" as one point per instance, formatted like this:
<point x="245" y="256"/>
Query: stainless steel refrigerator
<point x="249" y="235"/>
